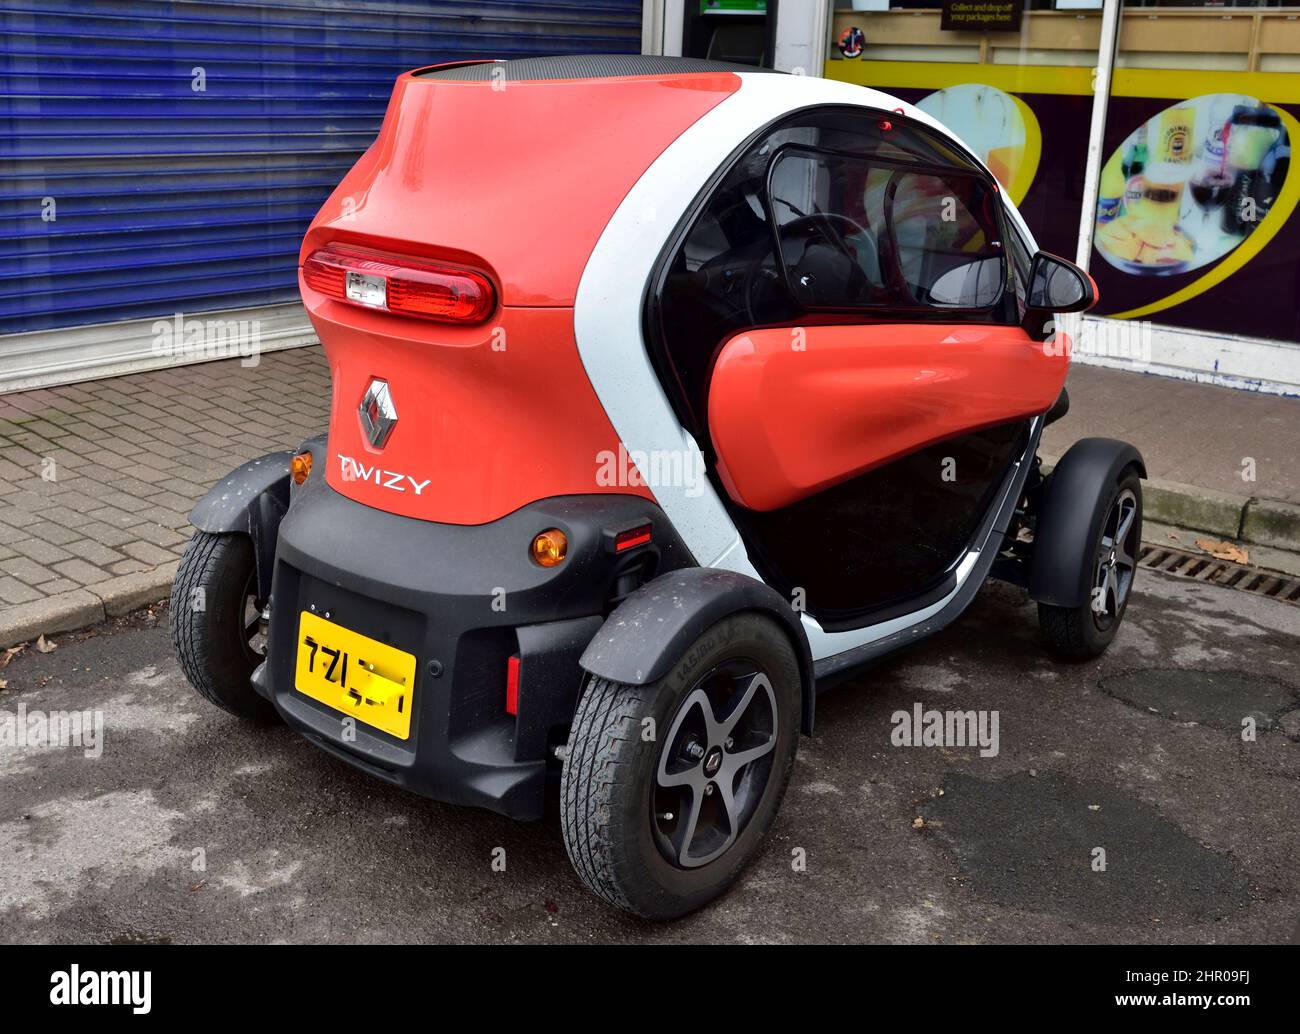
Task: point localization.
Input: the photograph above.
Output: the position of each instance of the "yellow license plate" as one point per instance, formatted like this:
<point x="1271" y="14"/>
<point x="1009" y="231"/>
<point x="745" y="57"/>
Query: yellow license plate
<point x="362" y="677"/>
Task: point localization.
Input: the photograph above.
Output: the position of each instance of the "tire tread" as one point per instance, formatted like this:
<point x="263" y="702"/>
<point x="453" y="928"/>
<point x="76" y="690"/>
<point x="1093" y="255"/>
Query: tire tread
<point x="218" y="679"/>
<point x="1063" y="632"/>
<point x="591" y="779"/>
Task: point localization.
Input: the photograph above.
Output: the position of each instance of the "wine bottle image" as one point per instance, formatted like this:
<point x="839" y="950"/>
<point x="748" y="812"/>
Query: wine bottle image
<point x="1252" y="134"/>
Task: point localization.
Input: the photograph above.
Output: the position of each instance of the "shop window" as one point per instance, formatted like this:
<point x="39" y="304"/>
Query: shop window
<point x="1194" y="226"/>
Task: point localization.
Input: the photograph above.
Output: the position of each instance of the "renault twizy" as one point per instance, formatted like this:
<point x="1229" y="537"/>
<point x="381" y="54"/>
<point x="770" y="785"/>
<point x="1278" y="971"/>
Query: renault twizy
<point x="665" y="394"/>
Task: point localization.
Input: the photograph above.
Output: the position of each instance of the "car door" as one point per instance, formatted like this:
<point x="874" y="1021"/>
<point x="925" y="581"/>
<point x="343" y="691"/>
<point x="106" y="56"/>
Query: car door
<point x="870" y="382"/>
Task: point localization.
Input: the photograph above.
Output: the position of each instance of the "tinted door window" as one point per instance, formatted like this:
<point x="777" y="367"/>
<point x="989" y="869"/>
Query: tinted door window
<point x="949" y="246"/>
<point x="856" y="232"/>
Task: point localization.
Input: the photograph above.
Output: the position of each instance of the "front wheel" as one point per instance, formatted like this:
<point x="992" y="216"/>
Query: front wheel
<point x="669" y="789"/>
<point x="1083" y="632"/>
<point x="216" y="622"/>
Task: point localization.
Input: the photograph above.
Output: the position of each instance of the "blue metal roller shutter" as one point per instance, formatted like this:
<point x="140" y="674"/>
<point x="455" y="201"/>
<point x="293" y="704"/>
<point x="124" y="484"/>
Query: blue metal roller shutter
<point x="166" y="198"/>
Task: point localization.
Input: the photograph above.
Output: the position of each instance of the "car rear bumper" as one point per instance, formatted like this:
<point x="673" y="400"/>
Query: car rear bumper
<point x="463" y="599"/>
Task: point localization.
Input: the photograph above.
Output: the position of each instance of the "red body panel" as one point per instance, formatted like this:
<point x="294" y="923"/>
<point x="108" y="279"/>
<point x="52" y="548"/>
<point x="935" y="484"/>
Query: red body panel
<point x="790" y="421"/>
<point x="517" y="180"/>
<point x="489" y="429"/>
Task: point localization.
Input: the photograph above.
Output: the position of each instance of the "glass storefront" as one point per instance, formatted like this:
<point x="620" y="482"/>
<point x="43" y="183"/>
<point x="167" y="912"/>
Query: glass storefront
<point x="1199" y="123"/>
<point x="1194" y="223"/>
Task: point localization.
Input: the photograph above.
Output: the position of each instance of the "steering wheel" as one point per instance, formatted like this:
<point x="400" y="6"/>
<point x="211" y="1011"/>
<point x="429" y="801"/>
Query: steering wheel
<point x="822" y="224"/>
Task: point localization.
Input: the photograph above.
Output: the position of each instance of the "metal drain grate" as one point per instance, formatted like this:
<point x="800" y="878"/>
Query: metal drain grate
<point x="1204" y="568"/>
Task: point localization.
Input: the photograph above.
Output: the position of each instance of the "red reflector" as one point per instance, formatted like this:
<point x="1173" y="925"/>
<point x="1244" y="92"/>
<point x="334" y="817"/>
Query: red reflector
<point x="408" y="287"/>
<point x="631" y="538"/>
<point x="512" y="686"/>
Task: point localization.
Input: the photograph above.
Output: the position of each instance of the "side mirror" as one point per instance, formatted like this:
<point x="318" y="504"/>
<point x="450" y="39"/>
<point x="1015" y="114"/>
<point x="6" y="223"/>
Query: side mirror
<point x="1059" y="286"/>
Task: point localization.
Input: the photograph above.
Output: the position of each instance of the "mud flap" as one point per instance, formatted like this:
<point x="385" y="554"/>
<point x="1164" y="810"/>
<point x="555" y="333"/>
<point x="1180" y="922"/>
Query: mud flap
<point x="649" y="631"/>
<point x="251" y="499"/>
<point x="1070" y="516"/>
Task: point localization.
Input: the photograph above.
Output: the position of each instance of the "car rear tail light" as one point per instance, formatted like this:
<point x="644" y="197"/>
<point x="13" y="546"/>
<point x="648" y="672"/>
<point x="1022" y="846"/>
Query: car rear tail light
<point x="512" y="685"/>
<point x="408" y="287"/>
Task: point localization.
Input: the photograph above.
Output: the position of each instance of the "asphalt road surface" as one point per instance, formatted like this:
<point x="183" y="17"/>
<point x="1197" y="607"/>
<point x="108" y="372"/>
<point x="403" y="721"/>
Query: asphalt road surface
<point x="193" y="827"/>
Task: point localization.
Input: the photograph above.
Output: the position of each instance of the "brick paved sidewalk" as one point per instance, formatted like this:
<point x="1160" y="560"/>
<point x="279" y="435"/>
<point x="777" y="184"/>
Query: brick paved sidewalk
<point x="97" y="479"/>
<point x="1196" y="434"/>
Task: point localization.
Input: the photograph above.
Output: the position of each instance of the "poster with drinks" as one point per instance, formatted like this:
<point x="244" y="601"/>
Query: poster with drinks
<point x="1189" y="185"/>
<point x="1196" y="218"/>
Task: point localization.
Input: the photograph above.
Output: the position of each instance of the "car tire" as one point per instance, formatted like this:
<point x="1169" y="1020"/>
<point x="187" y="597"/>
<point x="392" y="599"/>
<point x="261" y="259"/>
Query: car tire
<point x="213" y="622"/>
<point x="1083" y="632"/>
<point x="628" y="841"/>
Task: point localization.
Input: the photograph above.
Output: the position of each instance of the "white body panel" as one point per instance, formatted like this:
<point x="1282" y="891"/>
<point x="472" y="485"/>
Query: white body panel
<point x="608" y="316"/>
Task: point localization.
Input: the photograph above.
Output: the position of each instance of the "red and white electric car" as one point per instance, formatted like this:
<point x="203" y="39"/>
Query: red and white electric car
<point x="665" y="393"/>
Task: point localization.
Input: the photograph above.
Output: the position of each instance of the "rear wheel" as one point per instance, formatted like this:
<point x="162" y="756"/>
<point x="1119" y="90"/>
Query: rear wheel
<point x="216" y="622"/>
<point x="1083" y="632"/>
<point x="669" y="789"/>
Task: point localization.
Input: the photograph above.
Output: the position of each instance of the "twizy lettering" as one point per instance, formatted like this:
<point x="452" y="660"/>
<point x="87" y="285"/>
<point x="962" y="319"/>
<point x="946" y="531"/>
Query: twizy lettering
<point x="354" y="470"/>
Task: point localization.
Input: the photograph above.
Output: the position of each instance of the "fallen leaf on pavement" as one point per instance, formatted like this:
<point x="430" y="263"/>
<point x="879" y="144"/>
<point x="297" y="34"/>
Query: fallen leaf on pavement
<point x="9" y="654"/>
<point x="1175" y="537"/>
<point x="1224" y="551"/>
<point x="43" y="645"/>
<point x="4" y="683"/>
<point x="918" y="822"/>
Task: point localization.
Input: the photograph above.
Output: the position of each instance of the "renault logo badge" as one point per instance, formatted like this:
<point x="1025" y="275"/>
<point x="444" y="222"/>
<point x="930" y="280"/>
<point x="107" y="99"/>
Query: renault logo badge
<point x="378" y="414"/>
